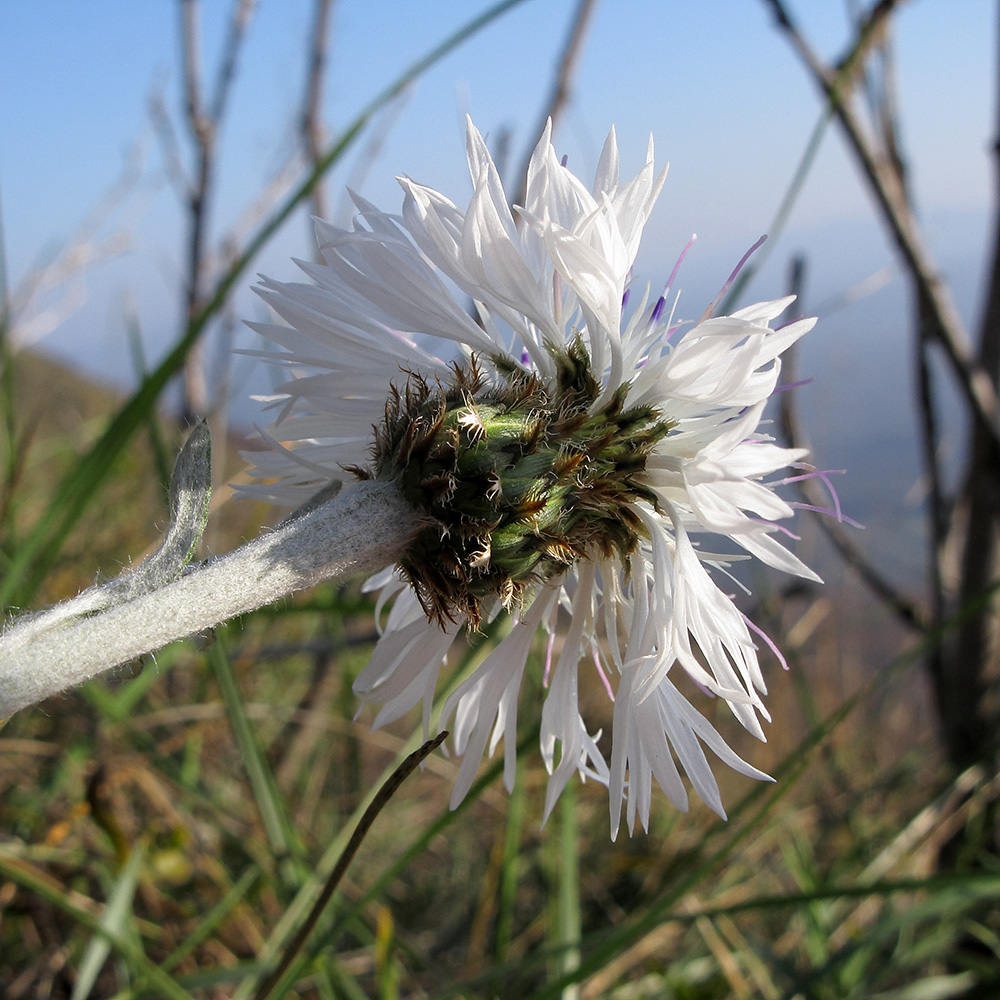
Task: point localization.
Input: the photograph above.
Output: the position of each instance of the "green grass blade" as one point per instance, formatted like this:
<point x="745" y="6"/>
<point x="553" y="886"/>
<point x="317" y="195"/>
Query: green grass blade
<point x="274" y="815"/>
<point x="115" y="923"/>
<point x="567" y="930"/>
<point x="749" y="271"/>
<point x="213" y="918"/>
<point x="597" y="950"/>
<point x="510" y="870"/>
<point x="277" y="983"/>
<point x="24" y="875"/>
<point x="969" y="887"/>
<point x="311" y="887"/>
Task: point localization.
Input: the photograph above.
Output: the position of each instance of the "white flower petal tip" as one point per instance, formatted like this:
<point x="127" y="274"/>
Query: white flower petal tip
<point x="576" y="460"/>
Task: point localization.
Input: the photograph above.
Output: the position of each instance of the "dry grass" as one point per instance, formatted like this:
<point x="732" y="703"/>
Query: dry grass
<point x="151" y="764"/>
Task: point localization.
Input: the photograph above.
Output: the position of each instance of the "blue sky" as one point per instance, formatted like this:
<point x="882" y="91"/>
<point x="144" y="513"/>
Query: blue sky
<point x="723" y="94"/>
<point x="725" y="97"/>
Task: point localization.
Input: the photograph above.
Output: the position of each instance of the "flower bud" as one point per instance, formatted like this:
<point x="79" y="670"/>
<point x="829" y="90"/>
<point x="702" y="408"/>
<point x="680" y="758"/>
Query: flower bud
<point x="519" y="478"/>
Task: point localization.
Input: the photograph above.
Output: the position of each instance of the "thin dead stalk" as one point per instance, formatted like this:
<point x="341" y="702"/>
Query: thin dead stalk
<point x="835" y="82"/>
<point x="313" y="133"/>
<point x="964" y="667"/>
<point x="793" y="430"/>
<point x="562" y="83"/>
<point x="203" y="122"/>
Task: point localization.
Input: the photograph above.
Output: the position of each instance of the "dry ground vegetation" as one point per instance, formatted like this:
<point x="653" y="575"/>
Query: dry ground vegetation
<point x="190" y="807"/>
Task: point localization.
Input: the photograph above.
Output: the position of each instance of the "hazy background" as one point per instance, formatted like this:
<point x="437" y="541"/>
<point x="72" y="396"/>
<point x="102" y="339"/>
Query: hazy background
<point x="726" y="99"/>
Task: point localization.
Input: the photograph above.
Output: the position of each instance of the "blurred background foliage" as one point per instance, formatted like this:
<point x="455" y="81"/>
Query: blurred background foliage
<point x="166" y="832"/>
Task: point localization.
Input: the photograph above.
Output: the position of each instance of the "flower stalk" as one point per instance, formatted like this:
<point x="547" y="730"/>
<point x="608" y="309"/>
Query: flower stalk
<point x="144" y="609"/>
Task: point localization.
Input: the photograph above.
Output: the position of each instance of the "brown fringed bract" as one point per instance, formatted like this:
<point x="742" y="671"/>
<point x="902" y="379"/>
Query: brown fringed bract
<point x="518" y="478"/>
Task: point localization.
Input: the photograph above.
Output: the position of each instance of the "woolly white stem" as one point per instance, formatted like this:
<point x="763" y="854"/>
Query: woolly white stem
<point x="362" y="530"/>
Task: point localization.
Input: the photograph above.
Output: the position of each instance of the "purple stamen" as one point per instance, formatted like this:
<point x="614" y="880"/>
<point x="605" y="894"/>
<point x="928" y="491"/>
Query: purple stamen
<point x="825" y="479"/>
<point x="780" y="527"/>
<point x="736" y="270"/>
<point x="625" y="299"/>
<point x="793" y="385"/>
<point x="812" y="474"/>
<point x="774" y="649"/>
<point x="789" y="322"/>
<point x="677" y="266"/>
<point x="548" y="658"/>
<point x="701" y="687"/>
<point x="654" y="316"/>
<point x="601" y="672"/>
<point x="824" y="476"/>
<point x="564" y="160"/>
<point x="843" y="518"/>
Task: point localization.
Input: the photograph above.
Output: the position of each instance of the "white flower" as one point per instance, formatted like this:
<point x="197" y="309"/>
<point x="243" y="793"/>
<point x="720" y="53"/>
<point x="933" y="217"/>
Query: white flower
<point x="648" y="444"/>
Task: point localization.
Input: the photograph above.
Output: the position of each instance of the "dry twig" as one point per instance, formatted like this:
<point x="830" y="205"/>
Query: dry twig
<point x="965" y="666"/>
<point x="559" y="96"/>
<point x="974" y="381"/>
<point x="313" y="133"/>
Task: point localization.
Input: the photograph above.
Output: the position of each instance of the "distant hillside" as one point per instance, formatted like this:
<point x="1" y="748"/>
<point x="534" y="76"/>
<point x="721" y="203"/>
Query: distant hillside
<point x="58" y="415"/>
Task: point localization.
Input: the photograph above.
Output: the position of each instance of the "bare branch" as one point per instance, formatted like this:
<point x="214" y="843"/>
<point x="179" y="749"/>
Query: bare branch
<point x="24" y="319"/>
<point x="203" y="127"/>
<point x="238" y="24"/>
<point x="929" y="439"/>
<point x="881" y="92"/>
<point x="950" y="331"/>
<point x="559" y="97"/>
<point x="313" y="133"/>
<point x="965" y="667"/>
<point x="172" y="158"/>
<point x="369" y="153"/>
<point x="977" y="644"/>
<point x="190" y="53"/>
<point x="202" y="132"/>
<point x="852" y="554"/>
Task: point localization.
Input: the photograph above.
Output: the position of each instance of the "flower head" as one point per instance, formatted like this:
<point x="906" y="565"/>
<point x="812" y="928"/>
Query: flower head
<point x="571" y="459"/>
